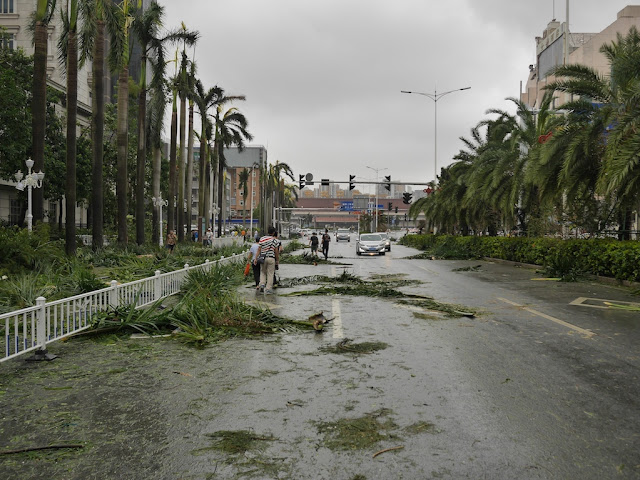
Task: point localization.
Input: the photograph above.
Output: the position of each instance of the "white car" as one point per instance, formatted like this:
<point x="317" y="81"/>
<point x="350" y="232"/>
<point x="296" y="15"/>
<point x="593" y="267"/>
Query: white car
<point x="370" y="244"/>
<point x="387" y="240"/>
<point x="343" y="234"/>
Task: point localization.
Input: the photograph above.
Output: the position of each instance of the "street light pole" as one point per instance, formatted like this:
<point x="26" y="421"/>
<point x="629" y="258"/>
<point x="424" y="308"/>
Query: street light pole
<point x="435" y="96"/>
<point x="31" y="181"/>
<point x="377" y="186"/>
<point x="159" y="202"/>
<point x="253" y="166"/>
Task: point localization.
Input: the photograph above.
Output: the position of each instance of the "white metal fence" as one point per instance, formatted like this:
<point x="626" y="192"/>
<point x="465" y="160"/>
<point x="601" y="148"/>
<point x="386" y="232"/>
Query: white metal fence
<point x="32" y="328"/>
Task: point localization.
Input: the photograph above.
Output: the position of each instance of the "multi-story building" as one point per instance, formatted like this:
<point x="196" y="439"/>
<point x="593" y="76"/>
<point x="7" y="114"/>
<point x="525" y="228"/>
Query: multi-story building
<point x="556" y="47"/>
<point x="251" y="158"/>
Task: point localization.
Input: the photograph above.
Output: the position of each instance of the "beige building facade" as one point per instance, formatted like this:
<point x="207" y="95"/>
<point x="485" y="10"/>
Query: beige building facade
<point x="582" y="48"/>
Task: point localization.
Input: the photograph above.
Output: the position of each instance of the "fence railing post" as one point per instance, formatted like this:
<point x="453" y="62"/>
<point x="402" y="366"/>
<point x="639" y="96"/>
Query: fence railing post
<point x="113" y="294"/>
<point x="157" y="286"/>
<point x="41" y="333"/>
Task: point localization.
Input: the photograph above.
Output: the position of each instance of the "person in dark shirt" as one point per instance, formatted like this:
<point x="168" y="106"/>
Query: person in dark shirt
<point x="326" y="238"/>
<point x="313" y="242"/>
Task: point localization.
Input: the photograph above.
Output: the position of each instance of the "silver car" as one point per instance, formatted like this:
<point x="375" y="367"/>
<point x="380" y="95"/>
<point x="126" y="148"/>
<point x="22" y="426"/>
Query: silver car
<point x="343" y="234"/>
<point x="387" y="240"/>
<point x="370" y="244"/>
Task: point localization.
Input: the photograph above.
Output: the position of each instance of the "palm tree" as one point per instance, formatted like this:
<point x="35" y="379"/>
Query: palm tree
<point x="601" y="132"/>
<point x="183" y="93"/>
<point x="204" y="101"/>
<point x="102" y="16"/>
<point x="146" y="28"/>
<point x="68" y="48"/>
<point x="42" y="17"/>
<point x="230" y="130"/>
<point x="126" y="10"/>
<point x="243" y="183"/>
<point x="189" y="179"/>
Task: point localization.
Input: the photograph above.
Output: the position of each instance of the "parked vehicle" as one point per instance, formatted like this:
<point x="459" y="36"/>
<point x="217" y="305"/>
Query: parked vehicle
<point x="343" y="234"/>
<point x="387" y="240"/>
<point x="370" y="244"/>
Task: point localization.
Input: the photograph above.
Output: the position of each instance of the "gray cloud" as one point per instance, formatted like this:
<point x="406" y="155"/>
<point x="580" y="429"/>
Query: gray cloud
<point x="323" y="78"/>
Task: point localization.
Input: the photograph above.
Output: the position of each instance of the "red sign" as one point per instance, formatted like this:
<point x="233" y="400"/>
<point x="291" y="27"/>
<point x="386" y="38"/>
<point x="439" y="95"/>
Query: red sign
<point x="428" y="190"/>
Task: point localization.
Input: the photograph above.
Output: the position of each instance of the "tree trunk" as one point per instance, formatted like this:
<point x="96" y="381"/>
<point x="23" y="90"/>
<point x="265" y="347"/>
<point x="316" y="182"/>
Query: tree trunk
<point x="181" y="167"/>
<point x="122" y="134"/>
<point x="171" y="224"/>
<point x="97" y="138"/>
<point x="142" y="153"/>
<point x="72" y="110"/>
<point x="189" y="180"/>
<point x="39" y="111"/>
<point x="201" y="186"/>
<point x="216" y="147"/>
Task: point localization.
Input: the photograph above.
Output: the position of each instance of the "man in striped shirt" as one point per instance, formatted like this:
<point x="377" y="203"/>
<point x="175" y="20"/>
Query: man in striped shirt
<point x="268" y="247"/>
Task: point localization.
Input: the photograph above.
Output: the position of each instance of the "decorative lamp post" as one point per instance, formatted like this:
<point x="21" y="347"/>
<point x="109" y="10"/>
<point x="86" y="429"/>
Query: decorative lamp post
<point x="31" y="180"/>
<point x="435" y="96"/>
<point x="159" y="202"/>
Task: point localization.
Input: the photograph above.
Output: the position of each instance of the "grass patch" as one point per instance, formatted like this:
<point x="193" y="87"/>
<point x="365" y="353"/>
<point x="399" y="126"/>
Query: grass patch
<point x="234" y="442"/>
<point x="356" y="433"/>
<point x="419" y="427"/>
<point x="347" y="346"/>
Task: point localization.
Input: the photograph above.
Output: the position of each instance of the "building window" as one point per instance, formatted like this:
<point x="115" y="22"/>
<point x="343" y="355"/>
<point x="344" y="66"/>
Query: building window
<point x="53" y="212"/>
<point x="15" y="209"/>
<point x="241" y="193"/>
<point x="241" y="202"/>
<point x="253" y="193"/>
<point x="8" y="40"/>
<point x="6" y="6"/>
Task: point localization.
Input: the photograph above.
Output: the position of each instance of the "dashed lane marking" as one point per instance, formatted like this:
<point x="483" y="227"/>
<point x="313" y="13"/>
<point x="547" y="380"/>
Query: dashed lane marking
<point x="570" y="326"/>
<point x="337" y="319"/>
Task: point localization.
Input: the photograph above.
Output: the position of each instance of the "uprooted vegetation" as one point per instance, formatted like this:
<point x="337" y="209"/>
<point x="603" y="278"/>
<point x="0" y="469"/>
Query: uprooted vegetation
<point x="348" y="346"/>
<point x="385" y="287"/>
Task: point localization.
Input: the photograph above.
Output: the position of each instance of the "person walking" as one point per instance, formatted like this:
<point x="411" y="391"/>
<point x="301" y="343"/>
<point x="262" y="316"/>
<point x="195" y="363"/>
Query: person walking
<point x="171" y="240"/>
<point x="326" y="238"/>
<point x="313" y="243"/>
<point x="253" y="255"/>
<point x="268" y="247"/>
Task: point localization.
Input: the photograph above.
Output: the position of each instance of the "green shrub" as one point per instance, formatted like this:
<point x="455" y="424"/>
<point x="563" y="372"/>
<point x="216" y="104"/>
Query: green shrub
<point x="562" y="258"/>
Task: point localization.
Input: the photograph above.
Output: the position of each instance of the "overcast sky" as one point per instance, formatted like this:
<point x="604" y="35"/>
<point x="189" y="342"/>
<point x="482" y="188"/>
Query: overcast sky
<point x="323" y="77"/>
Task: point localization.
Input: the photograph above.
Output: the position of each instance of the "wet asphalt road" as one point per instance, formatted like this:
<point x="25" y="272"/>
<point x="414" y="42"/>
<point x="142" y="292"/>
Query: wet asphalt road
<point x="534" y="387"/>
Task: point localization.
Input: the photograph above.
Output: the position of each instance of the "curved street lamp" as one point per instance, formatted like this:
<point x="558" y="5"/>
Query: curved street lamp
<point x="31" y="181"/>
<point x="376" y="209"/>
<point x="435" y="96"/>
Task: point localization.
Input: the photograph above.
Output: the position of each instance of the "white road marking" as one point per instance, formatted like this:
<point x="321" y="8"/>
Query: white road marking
<point x="570" y="326"/>
<point x="427" y="270"/>
<point x="337" y="319"/>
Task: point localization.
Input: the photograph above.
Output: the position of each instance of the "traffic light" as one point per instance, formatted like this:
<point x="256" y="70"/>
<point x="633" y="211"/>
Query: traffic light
<point x="301" y="182"/>
<point x="406" y="197"/>
<point x="390" y="206"/>
<point x="396" y="209"/>
<point x="387" y="185"/>
<point x="351" y="184"/>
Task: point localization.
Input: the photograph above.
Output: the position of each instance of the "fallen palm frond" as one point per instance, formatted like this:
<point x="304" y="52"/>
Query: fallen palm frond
<point x="630" y="308"/>
<point x="356" y="433"/>
<point x="305" y="259"/>
<point x="237" y="441"/>
<point x="467" y="269"/>
<point x="347" y="346"/>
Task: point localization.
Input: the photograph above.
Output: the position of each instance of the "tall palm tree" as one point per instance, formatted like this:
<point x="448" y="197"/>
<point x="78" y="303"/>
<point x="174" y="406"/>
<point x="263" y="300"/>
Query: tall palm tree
<point x="191" y="134"/>
<point x="243" y="183"/>
<point x="126" y="18"/>
<point x="230" y="130"/>
<point x="183" y="93"/>
<point x="205" y="100"/>
<point x="102" y="17"/>
<point x="601" y="134"/>
<point x="68" y="48"/>
<point x="42" y="17"/>
<point x="146" y="28"/>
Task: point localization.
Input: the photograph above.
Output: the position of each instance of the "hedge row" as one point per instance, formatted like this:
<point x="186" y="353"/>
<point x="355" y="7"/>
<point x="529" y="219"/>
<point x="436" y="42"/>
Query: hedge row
<point x="607" y="257"/>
